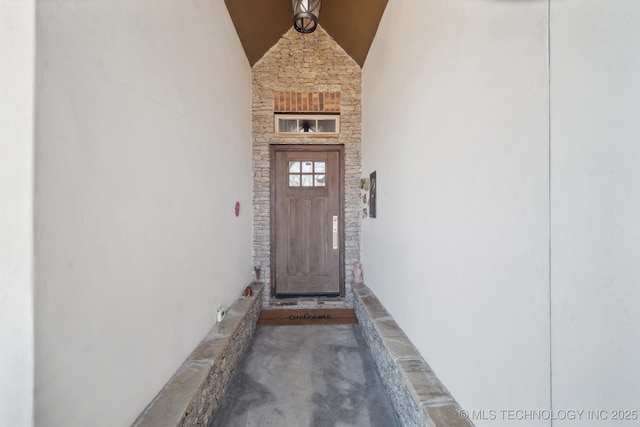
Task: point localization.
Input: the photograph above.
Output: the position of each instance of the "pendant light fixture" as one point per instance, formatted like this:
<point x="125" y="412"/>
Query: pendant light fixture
<point x="305" y="15"/>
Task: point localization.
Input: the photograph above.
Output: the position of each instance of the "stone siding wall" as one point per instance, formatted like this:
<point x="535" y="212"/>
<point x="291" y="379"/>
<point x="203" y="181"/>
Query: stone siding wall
<point x="310" y="63"/>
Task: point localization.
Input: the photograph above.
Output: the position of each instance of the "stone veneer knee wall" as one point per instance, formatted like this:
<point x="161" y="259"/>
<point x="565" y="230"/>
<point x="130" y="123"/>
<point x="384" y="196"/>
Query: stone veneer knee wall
<point x="310" y="63"/>
<point x="418" y="396"/>
<point x="192" y="394"/>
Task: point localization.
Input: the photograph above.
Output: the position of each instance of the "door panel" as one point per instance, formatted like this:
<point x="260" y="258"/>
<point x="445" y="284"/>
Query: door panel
<point x="307" y="251"/>
<point x="306" y="195"/>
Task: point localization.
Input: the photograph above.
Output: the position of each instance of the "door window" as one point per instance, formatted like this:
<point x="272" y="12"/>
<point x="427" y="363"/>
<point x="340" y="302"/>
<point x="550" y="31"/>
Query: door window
<point x="307" y="173"/>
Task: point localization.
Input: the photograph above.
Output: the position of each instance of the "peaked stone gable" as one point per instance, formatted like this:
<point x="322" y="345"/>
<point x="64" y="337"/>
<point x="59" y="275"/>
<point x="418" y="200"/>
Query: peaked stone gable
<point x="309" y="63"/>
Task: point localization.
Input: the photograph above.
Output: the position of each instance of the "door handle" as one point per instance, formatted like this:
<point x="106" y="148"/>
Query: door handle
<point x="335" y="232"/>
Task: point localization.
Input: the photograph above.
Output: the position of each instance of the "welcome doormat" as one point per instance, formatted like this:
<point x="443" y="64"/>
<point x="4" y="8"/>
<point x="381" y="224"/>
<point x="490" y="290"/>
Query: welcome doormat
<point x="318" y="316"/>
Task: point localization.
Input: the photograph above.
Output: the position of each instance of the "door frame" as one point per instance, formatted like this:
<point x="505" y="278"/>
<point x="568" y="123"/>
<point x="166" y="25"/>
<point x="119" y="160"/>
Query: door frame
<point x="339" y="148"/>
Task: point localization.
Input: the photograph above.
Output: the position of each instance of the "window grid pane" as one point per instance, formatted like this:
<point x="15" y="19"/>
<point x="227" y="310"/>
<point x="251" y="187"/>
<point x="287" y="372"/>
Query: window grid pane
<point x="294" y="167"/>
<point x="288" y="125"/>
<point x="307" y="167"/>
<point x="327" y="126"/>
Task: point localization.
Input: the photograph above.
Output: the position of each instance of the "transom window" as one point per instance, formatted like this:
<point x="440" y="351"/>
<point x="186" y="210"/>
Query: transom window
<point x="307" y="173"/>
<point x="327" y="124"/>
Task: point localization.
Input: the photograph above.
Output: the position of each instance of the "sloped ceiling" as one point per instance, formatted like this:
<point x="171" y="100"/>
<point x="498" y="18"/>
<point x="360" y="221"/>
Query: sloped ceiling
<point x="351" y="23"/>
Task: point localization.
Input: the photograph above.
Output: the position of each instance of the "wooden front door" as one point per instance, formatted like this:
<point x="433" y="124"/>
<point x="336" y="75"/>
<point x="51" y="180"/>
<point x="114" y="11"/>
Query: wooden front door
<point x="307" y="225"/>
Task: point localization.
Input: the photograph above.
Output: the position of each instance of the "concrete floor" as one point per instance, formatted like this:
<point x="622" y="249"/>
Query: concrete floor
<point x="306" y="376"/>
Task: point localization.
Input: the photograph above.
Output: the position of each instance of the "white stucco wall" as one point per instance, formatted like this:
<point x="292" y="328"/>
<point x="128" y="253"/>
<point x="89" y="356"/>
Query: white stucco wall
<point x="515" y="275"/>
<point x="17" y="57"/>
<point x="595" y="215"/>
<point x="455" y="123"/>
<point x="143" y="146"/>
